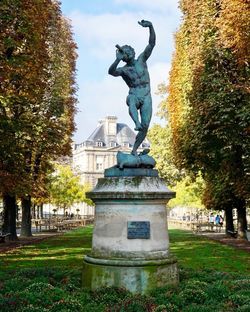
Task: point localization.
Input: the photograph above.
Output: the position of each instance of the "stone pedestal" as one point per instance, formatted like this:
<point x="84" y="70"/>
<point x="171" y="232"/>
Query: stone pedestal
<point x="130" y="245"/>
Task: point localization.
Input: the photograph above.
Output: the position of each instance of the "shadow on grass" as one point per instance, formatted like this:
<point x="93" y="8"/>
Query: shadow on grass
<point x="199" y="252"/>
<point x="64" y="251"/>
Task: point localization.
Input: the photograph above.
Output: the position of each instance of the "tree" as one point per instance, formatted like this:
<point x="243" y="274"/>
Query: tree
<point x="188" y="193"/>
<point x="161" y="150"/>
<point x="208" y="102"/>
<point x="66" y="189"/>
<point x="56" y="122"/>
<point x="22" y="60"/>
<point x="188" y="189"/>
<point x="37" y="58"/>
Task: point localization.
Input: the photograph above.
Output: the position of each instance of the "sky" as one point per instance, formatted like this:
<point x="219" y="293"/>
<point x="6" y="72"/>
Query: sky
<point x="98" y="25"/>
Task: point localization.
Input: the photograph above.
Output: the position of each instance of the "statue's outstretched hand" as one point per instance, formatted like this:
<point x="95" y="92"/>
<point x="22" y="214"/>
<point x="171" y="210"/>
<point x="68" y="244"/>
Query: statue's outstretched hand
<point x="144" y="23"/>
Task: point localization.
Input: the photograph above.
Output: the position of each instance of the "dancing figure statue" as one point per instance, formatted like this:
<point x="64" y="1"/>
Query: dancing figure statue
<point x="135" y="74"/>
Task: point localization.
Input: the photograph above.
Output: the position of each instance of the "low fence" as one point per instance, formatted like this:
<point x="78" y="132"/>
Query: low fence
<point x="195" y="226"/>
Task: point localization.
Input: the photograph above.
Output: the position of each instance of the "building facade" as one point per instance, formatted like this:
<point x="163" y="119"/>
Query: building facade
<point x="94" y="155"/>
<point x="98" y="152"/>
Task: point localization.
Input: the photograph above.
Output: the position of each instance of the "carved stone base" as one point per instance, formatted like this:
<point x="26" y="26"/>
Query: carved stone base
<point x="137" y="276"/>
<point x="130" y="246"/>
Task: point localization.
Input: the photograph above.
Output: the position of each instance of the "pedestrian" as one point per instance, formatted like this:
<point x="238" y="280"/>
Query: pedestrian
<point x="211" y="221"/>
<point x="217" y="222"/>
<point x="221" y="220"/>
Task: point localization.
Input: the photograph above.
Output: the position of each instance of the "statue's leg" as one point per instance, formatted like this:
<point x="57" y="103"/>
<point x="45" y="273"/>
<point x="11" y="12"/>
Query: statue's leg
<point x="132" y="103"/>
<point x="139" y="139"/>
<point x="146" y="114"/>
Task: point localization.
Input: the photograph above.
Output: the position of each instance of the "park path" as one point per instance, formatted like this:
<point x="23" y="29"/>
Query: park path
<point x="225" y="240"/>
<point x="36" y="238"/>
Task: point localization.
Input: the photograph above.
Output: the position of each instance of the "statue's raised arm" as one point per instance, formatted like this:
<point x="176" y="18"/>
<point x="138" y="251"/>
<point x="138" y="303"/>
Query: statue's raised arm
<point x="151" y="43"/>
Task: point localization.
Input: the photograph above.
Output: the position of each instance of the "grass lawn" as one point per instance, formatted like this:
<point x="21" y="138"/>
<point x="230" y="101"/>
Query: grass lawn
<point x="47" y="277"/>
<point x="198" y="252"/>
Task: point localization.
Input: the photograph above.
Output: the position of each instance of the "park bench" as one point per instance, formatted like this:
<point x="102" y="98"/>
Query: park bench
<point x="70" y="224"/>
<point x="60" y="225"/>
<point x="3" y="236"/>
<point x="232" y="233"/>
<point x="205" y="227"/>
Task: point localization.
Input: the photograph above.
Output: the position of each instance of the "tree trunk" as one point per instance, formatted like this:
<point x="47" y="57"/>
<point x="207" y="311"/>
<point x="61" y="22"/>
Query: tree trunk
<point x="37" y="211"/>
<point x="9" y="216"/>
<point x="242" y="218"/>
<point x="26" y="216"/>
<point x="229" y="220"/>
<point x="33" y="213"/>
<point x="41" y="211"/>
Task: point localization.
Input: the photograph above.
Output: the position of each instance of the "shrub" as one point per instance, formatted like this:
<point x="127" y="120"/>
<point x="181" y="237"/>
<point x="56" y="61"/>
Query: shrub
<point x="56" y="290"/>
<point x="42" y="294"/>
<point x="10" y="302"/>
<point x="200" y="308"/>
<point x="110" y="295"/>
<point x="67" y="305"/>
<point x="168" y="307"/>
<point x="194" y="295"/>
<point x="134" y="303"/>
<point x="244" y="308"/>
<point x="240" y="299"/>
<point x="165" y="296"/>
<point x="15" y="284"/>
<point x="217" y="292"/>
<point x="32" y="308"/>
<point x="240" y="284"/>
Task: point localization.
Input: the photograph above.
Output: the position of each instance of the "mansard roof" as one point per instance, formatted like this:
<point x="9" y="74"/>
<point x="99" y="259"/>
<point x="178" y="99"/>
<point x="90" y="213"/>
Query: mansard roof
<point x="120" y="134"/>
<point x="124" y="134"/>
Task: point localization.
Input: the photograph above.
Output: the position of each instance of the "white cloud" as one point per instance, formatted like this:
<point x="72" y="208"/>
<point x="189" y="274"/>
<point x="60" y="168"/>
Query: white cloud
<point x="160" y="5"/>
<point x="100" y="33"/>
<point x="108" y="97"/>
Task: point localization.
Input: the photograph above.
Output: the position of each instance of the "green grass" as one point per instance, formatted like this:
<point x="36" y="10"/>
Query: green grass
<point x="64" y="251"/>
<point x="47" y="277"/>
<point x="195" y="252"/>
<point x="198" y="252"/>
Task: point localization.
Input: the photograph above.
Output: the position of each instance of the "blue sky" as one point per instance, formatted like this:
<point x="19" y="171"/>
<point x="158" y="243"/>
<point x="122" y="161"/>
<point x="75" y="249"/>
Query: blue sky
<point x="99" y="25"/>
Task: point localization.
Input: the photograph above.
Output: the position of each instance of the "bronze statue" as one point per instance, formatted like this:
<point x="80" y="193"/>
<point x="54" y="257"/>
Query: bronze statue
<point x="135" y="74"/>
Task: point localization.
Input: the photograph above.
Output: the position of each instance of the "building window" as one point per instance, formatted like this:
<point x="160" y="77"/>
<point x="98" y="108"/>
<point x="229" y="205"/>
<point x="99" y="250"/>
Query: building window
<point x="99" y="167"/>
<point x="99" y="163"/>
<point x="99" y="143"/>
<point x="112" y="144"/>
<point x="125" y="144"/>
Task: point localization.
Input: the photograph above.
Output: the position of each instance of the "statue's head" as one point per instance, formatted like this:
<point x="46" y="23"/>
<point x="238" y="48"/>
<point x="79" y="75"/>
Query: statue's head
<point x="129" y="53"/>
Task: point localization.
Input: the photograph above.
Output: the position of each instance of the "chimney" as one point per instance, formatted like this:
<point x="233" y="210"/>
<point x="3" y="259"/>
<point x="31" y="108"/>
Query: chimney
<point x="110" y="123"/>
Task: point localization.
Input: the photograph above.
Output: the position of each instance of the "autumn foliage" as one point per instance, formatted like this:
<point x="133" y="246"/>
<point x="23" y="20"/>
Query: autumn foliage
<point x="209" y="100"/>
<point x="37" y="93"/>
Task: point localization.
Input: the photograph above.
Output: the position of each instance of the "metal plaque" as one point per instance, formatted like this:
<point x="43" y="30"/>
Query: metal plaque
<point x="138" y="229"/>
